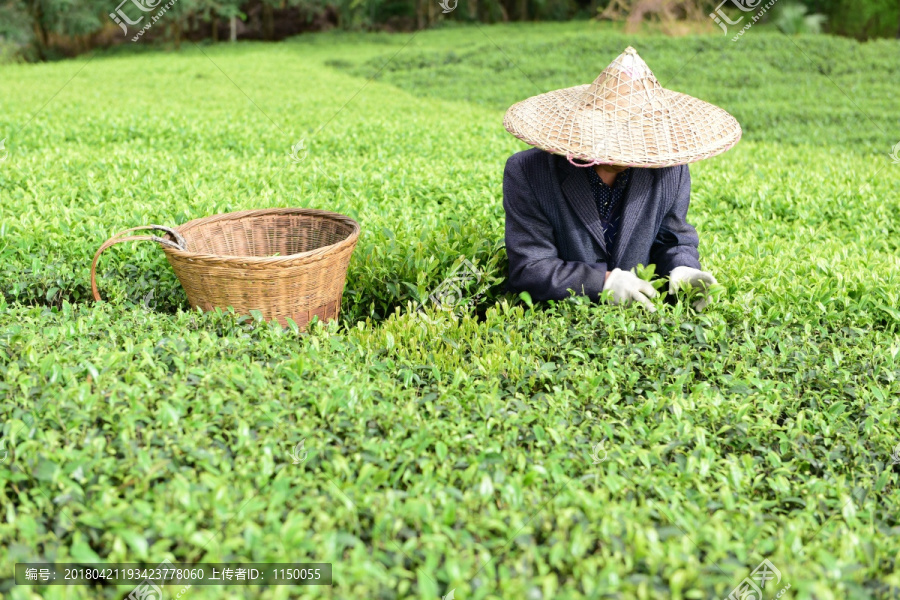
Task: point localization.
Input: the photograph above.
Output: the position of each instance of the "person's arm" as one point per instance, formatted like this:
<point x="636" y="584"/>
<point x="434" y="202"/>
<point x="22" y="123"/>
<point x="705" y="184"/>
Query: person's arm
<point x="534" y="263"/>
<point x="676" y="241"/>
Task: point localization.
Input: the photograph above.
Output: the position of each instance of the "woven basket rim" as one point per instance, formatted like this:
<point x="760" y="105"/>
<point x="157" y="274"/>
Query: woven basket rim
<point x="320" y="253"/>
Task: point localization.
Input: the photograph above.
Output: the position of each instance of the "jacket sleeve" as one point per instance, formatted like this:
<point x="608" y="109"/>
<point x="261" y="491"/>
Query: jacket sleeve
<point x="676" y="241"/>
<point x="534" y="263"/>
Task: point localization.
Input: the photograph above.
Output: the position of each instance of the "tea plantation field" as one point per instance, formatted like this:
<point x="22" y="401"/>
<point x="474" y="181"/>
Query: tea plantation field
<point x="563" y="450"/>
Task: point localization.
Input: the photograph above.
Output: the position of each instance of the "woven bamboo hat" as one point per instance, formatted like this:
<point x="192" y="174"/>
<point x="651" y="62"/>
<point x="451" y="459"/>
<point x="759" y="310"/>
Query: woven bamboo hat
<point x="624" y="118"/>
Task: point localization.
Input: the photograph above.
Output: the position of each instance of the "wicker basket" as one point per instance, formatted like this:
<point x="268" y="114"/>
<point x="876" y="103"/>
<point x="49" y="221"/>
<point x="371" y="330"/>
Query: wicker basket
<point x="283" y="262"/>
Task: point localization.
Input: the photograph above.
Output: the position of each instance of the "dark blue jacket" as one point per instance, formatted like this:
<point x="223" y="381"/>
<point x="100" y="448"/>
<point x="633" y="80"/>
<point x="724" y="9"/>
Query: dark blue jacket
<point x="554" y="240"/>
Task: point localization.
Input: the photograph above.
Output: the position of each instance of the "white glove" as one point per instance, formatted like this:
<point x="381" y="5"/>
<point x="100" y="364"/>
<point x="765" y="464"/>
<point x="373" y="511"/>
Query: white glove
<point x="682" y="277"/>
<point x="627" y="287"/>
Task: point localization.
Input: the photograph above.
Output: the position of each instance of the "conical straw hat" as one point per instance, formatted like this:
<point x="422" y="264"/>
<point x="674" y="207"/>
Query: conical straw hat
<point x="624" y="118"/>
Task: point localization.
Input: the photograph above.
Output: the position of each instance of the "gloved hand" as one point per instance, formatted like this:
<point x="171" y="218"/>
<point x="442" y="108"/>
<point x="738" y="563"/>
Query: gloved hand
<point x="627" y="287"/>
<point x="682" y="277"/>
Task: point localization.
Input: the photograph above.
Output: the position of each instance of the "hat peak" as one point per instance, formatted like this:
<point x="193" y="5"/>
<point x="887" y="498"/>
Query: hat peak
<point x="626" y="84"/>
<point x="628" y="64"/>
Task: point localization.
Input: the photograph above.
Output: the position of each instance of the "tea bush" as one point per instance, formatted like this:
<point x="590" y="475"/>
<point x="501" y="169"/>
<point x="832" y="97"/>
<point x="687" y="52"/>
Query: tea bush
<point x="453" y="452"/>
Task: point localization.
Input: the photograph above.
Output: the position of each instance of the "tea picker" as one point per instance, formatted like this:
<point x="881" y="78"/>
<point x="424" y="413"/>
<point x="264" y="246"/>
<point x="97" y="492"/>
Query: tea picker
<point x="606" y="187"/>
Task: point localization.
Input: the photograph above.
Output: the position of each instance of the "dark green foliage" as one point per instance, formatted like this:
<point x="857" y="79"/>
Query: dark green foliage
<point x="862" y="19"/>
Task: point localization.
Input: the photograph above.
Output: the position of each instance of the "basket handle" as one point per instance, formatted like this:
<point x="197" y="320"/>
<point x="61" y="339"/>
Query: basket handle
<point x="178" y="244"/>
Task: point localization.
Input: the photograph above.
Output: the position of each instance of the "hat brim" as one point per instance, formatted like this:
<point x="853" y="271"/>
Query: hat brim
<point x="670" y="129"/>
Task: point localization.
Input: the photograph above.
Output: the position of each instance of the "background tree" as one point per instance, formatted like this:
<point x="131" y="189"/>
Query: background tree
<point x="49" y="29"/>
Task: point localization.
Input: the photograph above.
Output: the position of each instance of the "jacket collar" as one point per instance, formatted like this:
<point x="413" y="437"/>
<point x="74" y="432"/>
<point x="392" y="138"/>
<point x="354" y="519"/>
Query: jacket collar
<point x="635" y="208"/>
<point x="577" y="190"/>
